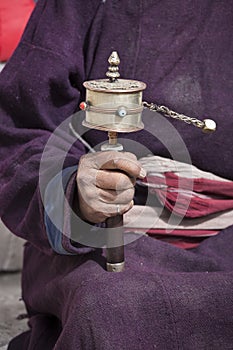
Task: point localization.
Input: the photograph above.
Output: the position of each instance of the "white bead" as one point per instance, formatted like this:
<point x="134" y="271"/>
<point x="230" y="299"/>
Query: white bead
<point x="210" y="125"/>
<point x="121" y="112"/>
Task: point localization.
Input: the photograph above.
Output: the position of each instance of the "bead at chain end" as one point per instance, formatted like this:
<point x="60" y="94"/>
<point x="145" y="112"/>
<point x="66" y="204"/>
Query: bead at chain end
<point x="209" y="126"/>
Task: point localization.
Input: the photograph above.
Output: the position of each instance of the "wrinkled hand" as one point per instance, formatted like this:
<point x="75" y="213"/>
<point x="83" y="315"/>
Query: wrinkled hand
<point x="106" y="184"/>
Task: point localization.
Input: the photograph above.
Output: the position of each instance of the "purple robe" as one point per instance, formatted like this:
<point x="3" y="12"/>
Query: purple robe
<point x="167" y="298"/>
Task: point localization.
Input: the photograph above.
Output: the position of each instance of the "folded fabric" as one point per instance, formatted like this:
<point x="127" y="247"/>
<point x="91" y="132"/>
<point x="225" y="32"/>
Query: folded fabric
<point x="191" y="197"/>
<point x="144" y="218"/>
<point x="200" y="203"/>
<point x="186" y="190"/>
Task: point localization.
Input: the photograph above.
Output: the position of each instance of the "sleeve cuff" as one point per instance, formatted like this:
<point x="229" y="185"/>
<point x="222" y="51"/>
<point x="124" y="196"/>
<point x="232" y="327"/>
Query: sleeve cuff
<point x="58" y="199"/>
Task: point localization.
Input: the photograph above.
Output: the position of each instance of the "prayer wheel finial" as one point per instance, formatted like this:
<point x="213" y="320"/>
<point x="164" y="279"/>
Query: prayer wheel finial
<point x="113" y="69"/>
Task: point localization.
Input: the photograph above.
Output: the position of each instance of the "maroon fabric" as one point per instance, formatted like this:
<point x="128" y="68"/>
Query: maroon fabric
<point x="219" y="194"/>
<point x="167" y="298"/>
<point x="185" y="233"/>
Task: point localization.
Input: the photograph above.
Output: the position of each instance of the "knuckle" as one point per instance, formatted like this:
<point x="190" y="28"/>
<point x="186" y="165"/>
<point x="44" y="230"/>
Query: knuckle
<point x="130" y="193"/>
<point x="81" y="183"/>
<point x="122" y="181"/>
<point x="108" y="196"/>
<point x="81" y="179"/>
<point x="130" y="155"/>
<point x="85" y="159"/>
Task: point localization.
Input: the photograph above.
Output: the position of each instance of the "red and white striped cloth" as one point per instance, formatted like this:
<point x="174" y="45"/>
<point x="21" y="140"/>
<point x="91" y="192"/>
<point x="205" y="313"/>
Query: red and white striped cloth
<point x="194" y="204"/>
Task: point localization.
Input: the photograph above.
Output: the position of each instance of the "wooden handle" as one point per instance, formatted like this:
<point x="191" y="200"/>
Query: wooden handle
<point x="115" y="244"/>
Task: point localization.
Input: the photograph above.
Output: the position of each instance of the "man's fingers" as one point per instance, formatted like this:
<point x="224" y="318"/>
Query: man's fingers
<point x="106" y="184"/>
<point x="113" y="180"/>
<point x="117" y="209"/>
<point x="112" y="160"/>
<point x="98" y="211"/>
<point x="129" y="166"/>
<point x="117" y="197"/>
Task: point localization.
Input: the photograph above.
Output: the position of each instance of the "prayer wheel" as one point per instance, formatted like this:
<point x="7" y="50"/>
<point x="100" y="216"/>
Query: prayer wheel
<point x="113" y="104"/>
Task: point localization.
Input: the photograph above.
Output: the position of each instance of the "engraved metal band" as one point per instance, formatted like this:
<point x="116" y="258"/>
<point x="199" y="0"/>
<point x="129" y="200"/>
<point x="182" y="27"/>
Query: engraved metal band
<point x="113" y="110"/>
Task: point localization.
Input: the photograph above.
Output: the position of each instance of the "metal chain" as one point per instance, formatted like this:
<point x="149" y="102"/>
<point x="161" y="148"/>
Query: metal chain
<point x="172" y="114"/>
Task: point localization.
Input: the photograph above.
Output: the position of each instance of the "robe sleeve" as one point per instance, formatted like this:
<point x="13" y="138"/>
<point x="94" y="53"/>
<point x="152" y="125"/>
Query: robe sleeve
<point x="40" y="87"/>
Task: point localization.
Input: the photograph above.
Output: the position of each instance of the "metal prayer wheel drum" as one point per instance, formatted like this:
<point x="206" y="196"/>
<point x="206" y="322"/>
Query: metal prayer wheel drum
<point x="113" y="104"/>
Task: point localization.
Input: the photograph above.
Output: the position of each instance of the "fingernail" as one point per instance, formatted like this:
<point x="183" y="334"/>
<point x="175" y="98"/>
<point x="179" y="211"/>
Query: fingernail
<point x="142" y="173"/>
<point x="131" y="203"/>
